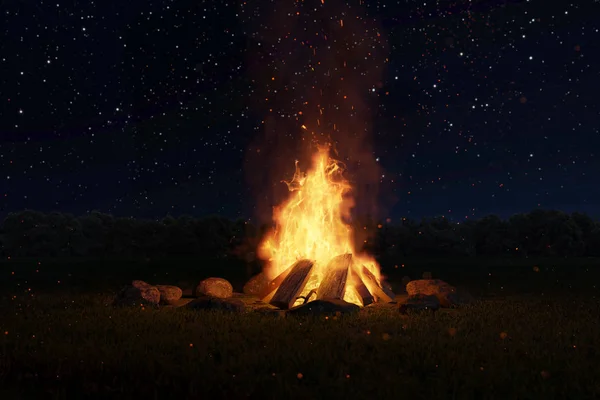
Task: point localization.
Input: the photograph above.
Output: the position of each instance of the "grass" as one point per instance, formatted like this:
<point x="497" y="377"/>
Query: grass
<point x="56" y="343"/>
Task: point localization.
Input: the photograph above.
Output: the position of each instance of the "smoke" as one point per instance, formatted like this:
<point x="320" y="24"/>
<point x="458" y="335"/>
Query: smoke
<point x="316" y="67"/>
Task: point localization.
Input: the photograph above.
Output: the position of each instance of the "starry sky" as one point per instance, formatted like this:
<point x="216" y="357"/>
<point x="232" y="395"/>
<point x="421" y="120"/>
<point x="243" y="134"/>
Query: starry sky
<point x="143" y="108"/>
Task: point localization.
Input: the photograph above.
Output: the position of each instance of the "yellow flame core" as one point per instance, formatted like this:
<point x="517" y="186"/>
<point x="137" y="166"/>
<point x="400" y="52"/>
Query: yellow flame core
<point x="311" y="224"/>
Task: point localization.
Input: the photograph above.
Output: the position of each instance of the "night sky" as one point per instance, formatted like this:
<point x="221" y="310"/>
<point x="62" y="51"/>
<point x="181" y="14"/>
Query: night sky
<point x="144" y="108"/>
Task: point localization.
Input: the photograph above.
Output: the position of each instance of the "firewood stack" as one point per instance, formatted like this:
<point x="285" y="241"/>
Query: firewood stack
<point x="342" y="276"/>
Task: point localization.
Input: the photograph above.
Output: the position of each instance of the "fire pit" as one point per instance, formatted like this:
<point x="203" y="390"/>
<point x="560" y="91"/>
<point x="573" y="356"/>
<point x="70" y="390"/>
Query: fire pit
<point x="310" y="254"/>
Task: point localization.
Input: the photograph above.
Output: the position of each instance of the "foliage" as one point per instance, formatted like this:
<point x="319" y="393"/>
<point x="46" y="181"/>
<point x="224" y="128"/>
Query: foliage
<point x="538" y="233"/>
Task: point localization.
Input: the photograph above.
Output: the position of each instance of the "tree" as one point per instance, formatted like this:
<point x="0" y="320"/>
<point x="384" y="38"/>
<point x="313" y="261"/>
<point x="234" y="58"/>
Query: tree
<point x="120" y="240"/>
<point x="491" y="236"/>
<point x="540" y="232"/>
<point x="94" y="232"/>
<point x="27" y="234"/>
<point x="587" y="227"/>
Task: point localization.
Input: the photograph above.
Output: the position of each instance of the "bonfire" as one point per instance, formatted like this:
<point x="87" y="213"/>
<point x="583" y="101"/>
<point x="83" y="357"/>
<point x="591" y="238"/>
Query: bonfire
<point x="310" y="254"/>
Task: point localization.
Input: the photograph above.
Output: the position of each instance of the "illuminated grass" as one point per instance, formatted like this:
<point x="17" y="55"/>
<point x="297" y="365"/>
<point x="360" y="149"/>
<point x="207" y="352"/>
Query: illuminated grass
<point x="70" y="346"/>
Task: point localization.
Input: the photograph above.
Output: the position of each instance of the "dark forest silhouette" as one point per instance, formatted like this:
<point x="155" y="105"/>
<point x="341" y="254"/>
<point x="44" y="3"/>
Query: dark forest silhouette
<point x="538" y="233"/>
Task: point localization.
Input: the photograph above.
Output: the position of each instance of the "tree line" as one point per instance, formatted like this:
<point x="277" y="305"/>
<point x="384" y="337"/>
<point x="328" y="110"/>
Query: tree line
<point x="538" y="233"/>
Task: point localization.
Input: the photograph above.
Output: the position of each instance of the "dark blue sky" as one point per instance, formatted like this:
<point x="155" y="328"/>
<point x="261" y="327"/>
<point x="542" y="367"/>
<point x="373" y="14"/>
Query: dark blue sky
<point x="147" y="108"/>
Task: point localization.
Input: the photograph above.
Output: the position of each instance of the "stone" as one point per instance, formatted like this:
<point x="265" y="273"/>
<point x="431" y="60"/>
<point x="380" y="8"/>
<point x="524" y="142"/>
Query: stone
<point x="448" y="295"/>
<point x="216" y="303"/>
<point x="256" y="284"/>
<point x="419" y="302"/>
<point x="215" y="287"/>
<point x="428" y="286"/>
<point x="179" y="303"/>
<point x="169" y="294"/>
<point x="325" y="307"/>
<point x="138" y="293"/>
<point x="140" y="284"/>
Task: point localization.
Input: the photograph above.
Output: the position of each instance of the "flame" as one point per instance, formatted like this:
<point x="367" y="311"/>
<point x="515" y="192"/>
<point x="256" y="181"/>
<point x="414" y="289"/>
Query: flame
<point x="312" y="224"/>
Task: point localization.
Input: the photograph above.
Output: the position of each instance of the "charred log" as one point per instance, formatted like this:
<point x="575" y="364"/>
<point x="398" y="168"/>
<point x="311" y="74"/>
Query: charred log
<point x="333" y="285"/>
<point x="292" y="285"/>
<point x="361" y="289"/>
<point x="371" y="283"/>
<point x="272" y="286"/>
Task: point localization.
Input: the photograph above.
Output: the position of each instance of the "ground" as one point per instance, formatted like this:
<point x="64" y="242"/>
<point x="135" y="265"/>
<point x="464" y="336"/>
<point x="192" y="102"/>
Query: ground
<point x="535" y="333"/>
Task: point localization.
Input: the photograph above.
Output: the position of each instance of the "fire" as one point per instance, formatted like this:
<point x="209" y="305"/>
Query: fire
<point x="313" y="224"/>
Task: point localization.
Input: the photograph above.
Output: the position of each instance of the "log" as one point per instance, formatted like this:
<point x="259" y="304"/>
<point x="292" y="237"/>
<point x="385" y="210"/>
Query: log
<point x="361" y="289"/>
<point x="274" y="284"/>
<point x="267" y="299"/>
<point x="333" y="285"/>
<point x="371" y="283"/>
<point x="293" y="285"/>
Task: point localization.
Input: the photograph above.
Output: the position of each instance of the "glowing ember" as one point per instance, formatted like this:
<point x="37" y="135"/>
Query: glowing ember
<point x="312" y="225"/>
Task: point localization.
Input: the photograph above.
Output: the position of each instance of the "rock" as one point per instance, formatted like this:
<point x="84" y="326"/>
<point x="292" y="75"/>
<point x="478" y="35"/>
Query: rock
<point x="419" y="302"/>
<point x="216" y="303"/>
<point x="325" y="307"/>
<point x="446" y="294"/>
<point x="169" y="294"/>
<point x="140" y="284"/>
<point x="428" y="286"/>
<point x="215" y="287"/>
<point x="256" y="284"/>
<point x="138" y="293"/>
<point x="179" y="303"/>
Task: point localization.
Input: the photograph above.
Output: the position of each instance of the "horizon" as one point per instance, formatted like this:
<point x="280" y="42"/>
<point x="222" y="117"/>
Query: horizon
<point x="252" y="220"/>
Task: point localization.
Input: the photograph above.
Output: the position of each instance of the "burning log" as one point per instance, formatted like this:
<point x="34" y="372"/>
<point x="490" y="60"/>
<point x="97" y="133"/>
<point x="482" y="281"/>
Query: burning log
<point x="344" y="280"/>
<point x="361" y="289"/>
<point x="292" y="285"/>
<point x="275" y="283"/>
<point x="333" y="285"/>
<point x="308" y="295"/>
<point x="371" y="283"/>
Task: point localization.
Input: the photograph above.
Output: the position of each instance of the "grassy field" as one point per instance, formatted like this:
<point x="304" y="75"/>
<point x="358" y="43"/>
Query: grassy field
<point x="535" y="334"/>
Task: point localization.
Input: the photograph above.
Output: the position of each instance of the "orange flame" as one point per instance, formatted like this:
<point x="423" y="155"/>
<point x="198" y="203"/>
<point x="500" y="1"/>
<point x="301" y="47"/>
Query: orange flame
<point x="311" y="224"/>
